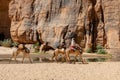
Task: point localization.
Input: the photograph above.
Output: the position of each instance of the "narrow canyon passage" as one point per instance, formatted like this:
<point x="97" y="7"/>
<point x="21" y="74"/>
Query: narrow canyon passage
<point x="4" y="18"/>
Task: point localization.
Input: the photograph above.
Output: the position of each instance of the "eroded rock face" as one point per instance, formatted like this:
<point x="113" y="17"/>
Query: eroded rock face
<point x="112" y="20"/>
<point x="90" y="22"/>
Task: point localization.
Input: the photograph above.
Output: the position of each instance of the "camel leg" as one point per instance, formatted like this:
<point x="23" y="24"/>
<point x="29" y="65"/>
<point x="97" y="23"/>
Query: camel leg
<point x="53" y="56"/>
<point x="56" y="57"/>
<point x="29" y="58"/>
<point x="68" y="58"/>
<point x="64" y="57"/>
<point x="83" y="61"/>
<point x="23" y="58"/>
<point x="15" y="56"/>
<point x="75" y="58"/>
<point x="11" y="58"/>
<point x="40" y="50"/>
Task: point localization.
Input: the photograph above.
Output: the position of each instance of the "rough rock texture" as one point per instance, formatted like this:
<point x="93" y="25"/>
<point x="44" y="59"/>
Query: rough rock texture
<point x="90" y="22"/>
<point x="4" y="18"/>
<point x="112" y="20"/>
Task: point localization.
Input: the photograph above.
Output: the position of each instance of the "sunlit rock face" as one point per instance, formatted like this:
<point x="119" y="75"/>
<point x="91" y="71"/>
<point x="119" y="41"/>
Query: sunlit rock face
<point x="111" y="11"/>
<point x="90" y="22"/>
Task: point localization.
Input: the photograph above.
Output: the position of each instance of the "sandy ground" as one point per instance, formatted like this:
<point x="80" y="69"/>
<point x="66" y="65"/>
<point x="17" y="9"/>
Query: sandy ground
<point x="57" y="71"/>
<point x="61" y="71"/>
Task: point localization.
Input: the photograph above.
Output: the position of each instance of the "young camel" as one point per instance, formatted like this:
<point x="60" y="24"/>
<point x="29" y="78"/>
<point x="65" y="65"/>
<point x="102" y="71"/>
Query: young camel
<point x="21" y="49"/>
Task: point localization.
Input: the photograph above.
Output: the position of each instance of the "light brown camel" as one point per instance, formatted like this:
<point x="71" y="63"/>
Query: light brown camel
<point x="77" y="52"/>
<point x="21" y="49"/>
<point x="57" y="52"/>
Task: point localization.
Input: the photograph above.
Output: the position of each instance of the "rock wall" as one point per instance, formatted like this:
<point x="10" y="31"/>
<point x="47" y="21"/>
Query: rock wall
<point x="90" y="22"/>
<point x="4" y="18"/>
<point x="112" y="22"/>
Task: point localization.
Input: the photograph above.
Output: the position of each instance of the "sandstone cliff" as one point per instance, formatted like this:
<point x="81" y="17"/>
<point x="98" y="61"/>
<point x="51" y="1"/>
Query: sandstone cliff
<point x="90" y="22"/>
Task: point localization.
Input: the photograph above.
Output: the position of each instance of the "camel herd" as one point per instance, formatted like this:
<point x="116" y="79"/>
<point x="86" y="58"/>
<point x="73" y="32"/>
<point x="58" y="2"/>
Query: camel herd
<point x="65" y="52"/>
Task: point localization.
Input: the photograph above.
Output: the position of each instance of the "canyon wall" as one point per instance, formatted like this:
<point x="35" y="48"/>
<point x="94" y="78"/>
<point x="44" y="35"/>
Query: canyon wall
<point x="90" y="22"/>
<point x="111" y="10"/>
<point x="4" y="18"/>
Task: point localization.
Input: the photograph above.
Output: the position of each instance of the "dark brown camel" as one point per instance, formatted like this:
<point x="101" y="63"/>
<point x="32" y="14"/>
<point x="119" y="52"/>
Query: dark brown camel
<point x="45" y="47"/>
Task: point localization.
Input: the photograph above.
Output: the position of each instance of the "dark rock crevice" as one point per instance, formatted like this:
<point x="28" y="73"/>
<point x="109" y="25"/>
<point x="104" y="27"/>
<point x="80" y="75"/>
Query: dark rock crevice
<point x="5" y="21"/>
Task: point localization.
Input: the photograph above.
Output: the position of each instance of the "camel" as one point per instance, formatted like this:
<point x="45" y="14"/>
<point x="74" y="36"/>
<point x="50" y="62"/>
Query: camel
<point x="57" y="52"/>
<point x="21" y="49"/>
<point x="45" y="47"/>
<point x="77" y="52"/>
<point x="66" y="54"/>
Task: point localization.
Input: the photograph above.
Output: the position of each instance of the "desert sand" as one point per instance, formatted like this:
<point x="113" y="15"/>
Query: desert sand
<point x="61" y="71"/>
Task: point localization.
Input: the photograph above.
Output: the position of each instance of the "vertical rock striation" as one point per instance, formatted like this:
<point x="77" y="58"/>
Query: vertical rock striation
<point x="90" y="22"/>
